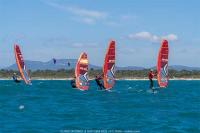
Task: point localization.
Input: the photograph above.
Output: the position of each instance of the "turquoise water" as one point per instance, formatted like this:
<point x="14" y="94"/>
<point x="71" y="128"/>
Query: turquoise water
<point x="54" y="107"/>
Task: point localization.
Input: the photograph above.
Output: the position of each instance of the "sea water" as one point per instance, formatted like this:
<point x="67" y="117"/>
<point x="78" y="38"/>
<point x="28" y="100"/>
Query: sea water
<point x="54" y="107"/>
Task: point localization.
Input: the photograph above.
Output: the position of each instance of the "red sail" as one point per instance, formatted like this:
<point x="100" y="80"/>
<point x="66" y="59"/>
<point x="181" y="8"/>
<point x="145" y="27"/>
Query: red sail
<point x="81" y="72"/>
<point x="109" y="66"/>
<point x="21" y="65"/>
<point x="162" y="64"/>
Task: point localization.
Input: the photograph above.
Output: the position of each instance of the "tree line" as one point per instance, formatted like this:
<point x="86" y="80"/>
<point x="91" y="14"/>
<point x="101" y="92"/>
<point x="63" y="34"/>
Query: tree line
<point x="120" y="74"/>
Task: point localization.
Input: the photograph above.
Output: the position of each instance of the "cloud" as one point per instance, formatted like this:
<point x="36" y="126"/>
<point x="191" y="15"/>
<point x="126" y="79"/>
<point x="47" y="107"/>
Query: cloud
<point x="88" y="16"/>
<point x="144" y="36"/>
<point x="128" y="17"/>
<point x="84" y="15"/>
<point x="82" y="45"/>
<point x="147" y="36"/>
<point x="61" y="41"/>
<point x="171" y="37"/>
<point x="89" y="21"/>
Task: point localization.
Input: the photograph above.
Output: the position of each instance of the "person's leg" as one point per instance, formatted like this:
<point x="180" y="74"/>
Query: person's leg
<point x="103" y="87"/>
<point x="100" y="86"/>
<point x="151" y="84"/>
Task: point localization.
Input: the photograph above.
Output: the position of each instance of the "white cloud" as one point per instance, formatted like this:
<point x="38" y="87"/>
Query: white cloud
<point x="86" y="13"/>
<point x="89" y="16"/>
<point x="85" y="20"/>
<point x="81" y="14"/>
<point x="88" y="20"/>
<point x="171" y="37"/>
<point x="82" y="45"/>
<point x="144" y="36"/>
<point x="151" y="37"/>
<point x="128" y="17"/>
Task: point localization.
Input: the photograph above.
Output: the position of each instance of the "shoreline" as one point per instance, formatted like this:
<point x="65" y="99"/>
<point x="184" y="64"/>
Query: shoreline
<point x="125" y="79"/>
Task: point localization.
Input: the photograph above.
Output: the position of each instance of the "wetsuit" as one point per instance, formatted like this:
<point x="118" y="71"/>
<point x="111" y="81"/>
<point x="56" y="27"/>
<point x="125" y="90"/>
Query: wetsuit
<point x="151" y="75"/>
<point x="68" y="64"/>
<point x="73" y="83"/>
<point x="99" y="83"/>
<point x="15" y="79"/>
<point x="54" y="61"/>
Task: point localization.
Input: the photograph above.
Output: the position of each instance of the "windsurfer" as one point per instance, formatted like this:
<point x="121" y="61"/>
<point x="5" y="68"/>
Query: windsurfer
<point x="15" y="78"/>
<point x="68" y="64"/>
<point x="98" y="80"/>
<point x="73" y="82"/>
<point x="54" y="61"/>
<point x="151" y="76"/>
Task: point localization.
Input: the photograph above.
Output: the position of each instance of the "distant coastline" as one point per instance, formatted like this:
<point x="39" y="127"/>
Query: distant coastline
<point x="119" y="75"/>
<point x="126" y="79"/>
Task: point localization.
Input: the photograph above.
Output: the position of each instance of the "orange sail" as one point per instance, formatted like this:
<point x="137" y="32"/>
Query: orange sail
<point x="109" y="66"/>
<point x="162" y="64"/>
<point x="21" y="65"/>
<point x="81" y="72"/>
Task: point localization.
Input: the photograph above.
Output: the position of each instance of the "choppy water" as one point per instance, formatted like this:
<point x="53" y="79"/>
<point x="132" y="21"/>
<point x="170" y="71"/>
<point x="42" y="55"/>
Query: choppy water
<point x="53" y="106"/>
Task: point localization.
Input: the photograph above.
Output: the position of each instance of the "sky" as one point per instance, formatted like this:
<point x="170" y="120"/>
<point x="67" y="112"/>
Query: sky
<point x="47" y="29"/>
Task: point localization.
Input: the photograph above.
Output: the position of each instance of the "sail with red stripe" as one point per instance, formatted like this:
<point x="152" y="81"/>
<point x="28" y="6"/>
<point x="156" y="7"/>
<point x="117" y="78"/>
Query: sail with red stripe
<point x="81" y="72"/>
<point x="109" y="66"/>
<point x="21" y="65"/>
<point x="162" y="64"/>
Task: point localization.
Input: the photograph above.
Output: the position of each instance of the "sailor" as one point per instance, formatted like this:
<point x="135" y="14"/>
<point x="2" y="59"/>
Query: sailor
<point x="98" y="80"/>
<point x="54" y="61"/>
<point x="68" y="64"/>
<point x="73" y="82"/>
<point x="15" y="78"/>
<point x="151" y="76"/>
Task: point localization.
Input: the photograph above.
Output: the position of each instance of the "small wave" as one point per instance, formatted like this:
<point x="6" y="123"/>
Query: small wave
<point x="113" y="91"/>
<point x="140" y="90"/>
<point x="40" y="83"/>
<point x="129" y="88"/>
<point x="152" y="91"/>
<point x="100" y="90"/>
<point x="21" y="107"/>
<point x="8" y="85"/>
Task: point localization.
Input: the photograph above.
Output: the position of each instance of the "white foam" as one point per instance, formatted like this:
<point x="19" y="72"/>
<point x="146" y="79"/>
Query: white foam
<point x="129" y="87"/>
<point x="21" y="107"/>
<point x="152" y="91"/>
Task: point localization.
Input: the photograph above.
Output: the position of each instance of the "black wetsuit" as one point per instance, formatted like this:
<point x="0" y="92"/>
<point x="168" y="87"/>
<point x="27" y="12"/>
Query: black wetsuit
<point x="15" y="79"/>
<point x="73" y="83"/>
<point x="151" y="75"/>
<point x="99" y="84"/>
<point x="54" y="61"/>
<point x="151" y="83"/>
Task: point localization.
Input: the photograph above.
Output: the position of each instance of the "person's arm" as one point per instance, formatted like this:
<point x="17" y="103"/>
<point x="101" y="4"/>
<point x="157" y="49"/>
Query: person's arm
<point x="99" y="76"/>
<point x="155" y="74"/>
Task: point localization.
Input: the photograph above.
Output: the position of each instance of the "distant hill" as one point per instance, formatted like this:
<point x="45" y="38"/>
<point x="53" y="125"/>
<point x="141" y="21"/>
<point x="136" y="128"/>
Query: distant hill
<point x="130" y="68"/>
<point x="63" y="64"/>
<point x="49" y="65"/>
<point x="180" y="67"/>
